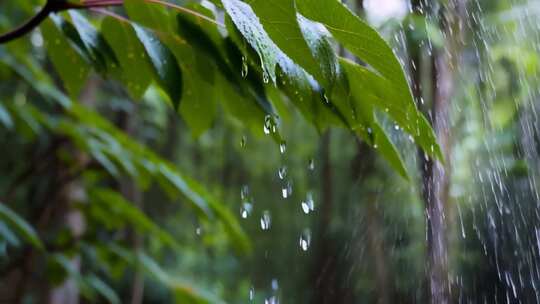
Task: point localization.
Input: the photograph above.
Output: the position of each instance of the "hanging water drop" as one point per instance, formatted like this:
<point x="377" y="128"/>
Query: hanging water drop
<point x="311" y="164"/>
<point x="325" y="98"/>
<point x="270" y="125"/>
<point x="282" y="172"/>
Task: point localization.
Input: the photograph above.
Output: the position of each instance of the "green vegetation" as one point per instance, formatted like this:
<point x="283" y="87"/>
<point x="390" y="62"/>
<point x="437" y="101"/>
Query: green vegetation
<point x="268" y="151"/>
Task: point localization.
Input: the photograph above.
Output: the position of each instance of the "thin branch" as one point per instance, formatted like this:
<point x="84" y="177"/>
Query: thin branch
<point x="53" y="6"/>
<point x="29" y="25"/>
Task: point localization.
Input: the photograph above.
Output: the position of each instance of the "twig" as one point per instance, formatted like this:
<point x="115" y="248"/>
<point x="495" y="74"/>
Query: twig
<point x="53" y="6"/>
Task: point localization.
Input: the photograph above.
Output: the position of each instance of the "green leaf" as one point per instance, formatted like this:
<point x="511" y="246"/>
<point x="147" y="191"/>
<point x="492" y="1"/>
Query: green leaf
<point x="279" y="19"/>
<point x="164" y="63"/>
<point x="149" y="15"/>
<point x="248" y="24"/>
<point x="90" y="285"/>
<point x="199" y="96"/>
<point x="116" y="207"/>
<point x="388" y="150"/>
<point x="318" y="40"/>
<point x="379" y="92"/>
<point x="184" y="291"/>
<point x="5" y="117"/>
<point x="69" y="64"/>
<point x="20" y="226"/>
<point x="103" y="289"/>
<point x="93" y="44"/>
<point x="136" y="70"/>
<point x="364" y="42"/>
<point x="364" y="102"/>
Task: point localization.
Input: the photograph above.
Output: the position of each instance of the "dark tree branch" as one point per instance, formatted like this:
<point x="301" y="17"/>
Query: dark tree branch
<point x="53" y="6"/>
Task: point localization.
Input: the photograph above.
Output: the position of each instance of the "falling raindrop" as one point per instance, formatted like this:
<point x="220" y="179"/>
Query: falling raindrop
<point x="198" y="231"/>
<point x="266" y="220"/>
<point x="282" y="147"/>
<point x="286" y="191"/>
<point x="308" y="205"/>
<point x="251" y="293"/>
<point x="245" y="210"/>
<point x="271" y="300"/>
<point x="305" y="240"/>
<point x="243" y="141"/>
<point x="275" y="284"/>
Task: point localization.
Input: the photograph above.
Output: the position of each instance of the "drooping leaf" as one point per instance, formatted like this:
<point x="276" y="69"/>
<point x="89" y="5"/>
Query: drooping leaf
<point x="299" y="85"/>
<point x="279" y="19"/>
<point x="164" y="63"/>
<point x="70" y="66"/>
<point x="199" y="96"/>
<point x="111" y="204"/>
<point x="93" y="44"/>
<point x="364" y="101"/>
<point x="103" y="289"/>
<point x="136" y="70"/>
<point x="388" y="150"/>
<point x="90" y="285"/>
<point x="5" y="118"/>
<point x="185" y="292"/>
<point x="248" y="24"/>
<point x="20" y="226"/>
<point x="382" y="95"/>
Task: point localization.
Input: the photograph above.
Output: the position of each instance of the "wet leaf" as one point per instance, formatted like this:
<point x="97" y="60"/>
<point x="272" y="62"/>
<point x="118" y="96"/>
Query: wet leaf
<point x="166" y="68"/>
<point x="69" y="64"/>
<point x="364" y="42"/>
<point x="136" y="70"/>
<point x="20" y="226"/>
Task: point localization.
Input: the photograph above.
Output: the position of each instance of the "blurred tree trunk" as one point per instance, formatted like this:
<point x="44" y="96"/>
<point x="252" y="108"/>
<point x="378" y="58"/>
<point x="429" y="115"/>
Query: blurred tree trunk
<point x="436" y="175"/>
<point x="127" y="122"/>
<point x="323" y="279"/>
<point x="71" y="193"/>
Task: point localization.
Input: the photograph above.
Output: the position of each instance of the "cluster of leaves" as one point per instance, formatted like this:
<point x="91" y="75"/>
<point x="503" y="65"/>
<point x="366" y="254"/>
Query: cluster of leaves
<point x="284" y="50"/>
